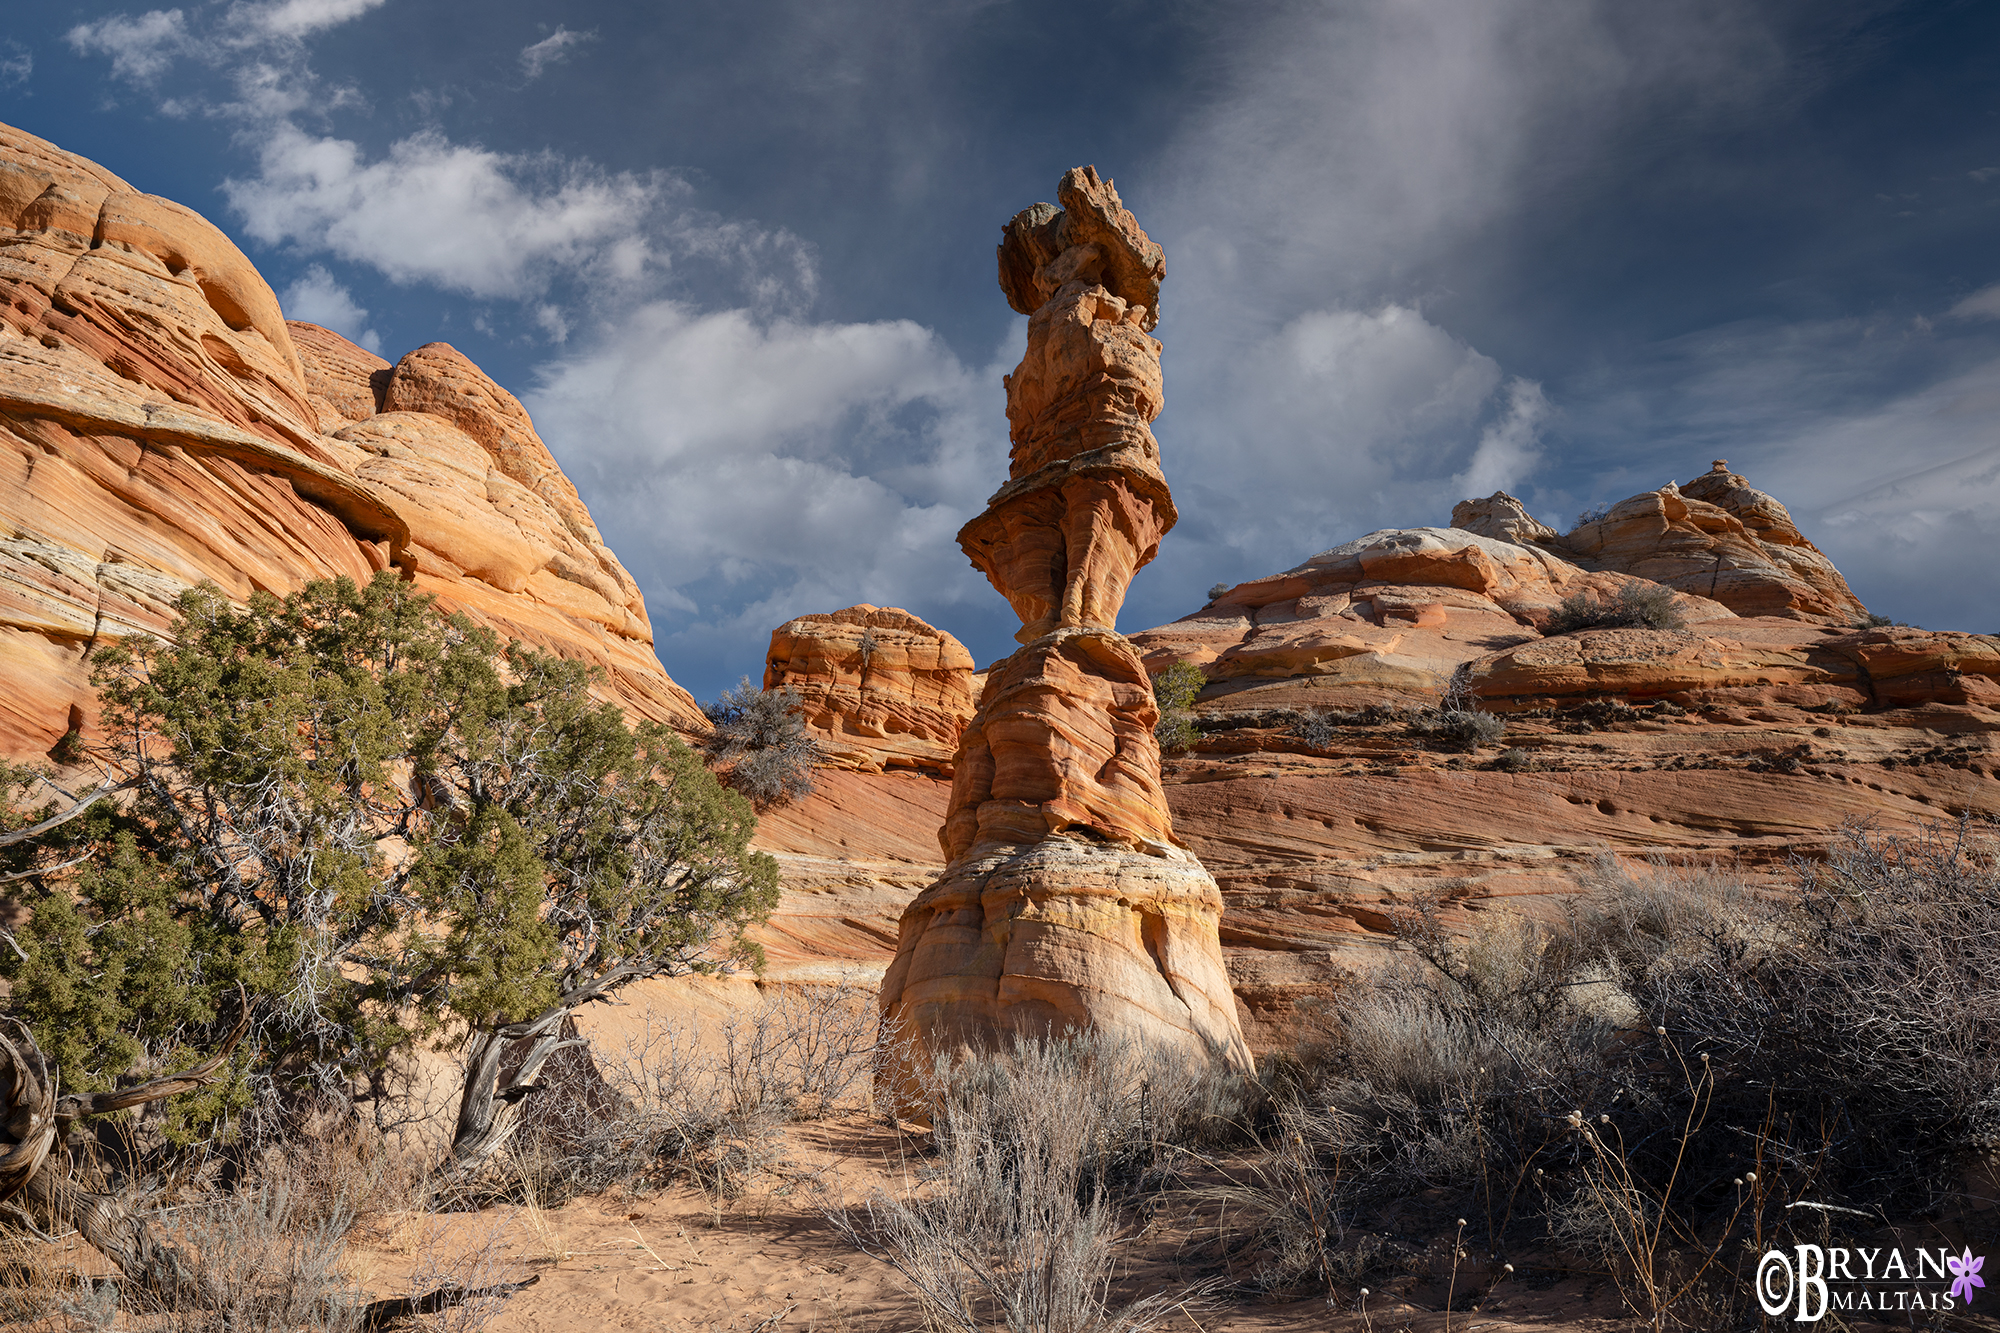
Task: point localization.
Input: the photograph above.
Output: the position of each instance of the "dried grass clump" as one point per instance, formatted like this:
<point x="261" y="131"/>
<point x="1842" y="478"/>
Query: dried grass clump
<point x="1038" y="1148"/>
<point x="705" y="1101"/>
<point x="1641" y="1083"/>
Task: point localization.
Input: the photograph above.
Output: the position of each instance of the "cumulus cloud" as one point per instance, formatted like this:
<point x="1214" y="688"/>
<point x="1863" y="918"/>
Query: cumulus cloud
<point x="749" y="469"/>
<point x="461" y="217"/>
<point x="553" y="49"/>
<point x="317" y="298"/>
<point x="141" y="49"/>
<point x="1335" y="423"/>
<point x="1509" y="446"/>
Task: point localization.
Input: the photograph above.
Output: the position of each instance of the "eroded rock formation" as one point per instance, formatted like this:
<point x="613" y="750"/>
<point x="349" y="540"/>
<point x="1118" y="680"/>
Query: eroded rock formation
<point x="161" y="424"/>
<point x="880" y="688"/>
<point x="1741" y="740"/>
<point x="1716" y="537"/>
<point x="1067" y="901"/>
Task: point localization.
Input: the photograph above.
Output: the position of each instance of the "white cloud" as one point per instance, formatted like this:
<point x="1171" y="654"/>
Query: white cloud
<point x="1982" y="304"/>
<point x="318" y="299"/>
<point x="553" y="49"/>
<point x="17" y="63"/>
<point x="1509" y="447"/>
<point x="466" y="219"/>
<point x="768" y="467"/>
<point x="141" y="49"/>
<point x="300" y="18"/>
<point x="1338" y="422"/>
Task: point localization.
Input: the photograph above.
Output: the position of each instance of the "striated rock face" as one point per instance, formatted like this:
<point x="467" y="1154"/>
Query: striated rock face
<point x="1389" y="616"/>
<point x="161" y="424"/>
<point x="1717" y="537"/>
<point x="1063" y="743"/>
<point x="1067" y="901"/>
<point x="1742" y="739"/>
<point x="880" y="687"/>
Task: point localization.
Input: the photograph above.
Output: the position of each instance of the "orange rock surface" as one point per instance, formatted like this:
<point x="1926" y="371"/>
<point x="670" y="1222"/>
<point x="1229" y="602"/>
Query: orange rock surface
<point x="880" y="688"/>
<point x="1063" y="742"/>
<point x="1066" y="900"/>
<point x="161" y="424"/>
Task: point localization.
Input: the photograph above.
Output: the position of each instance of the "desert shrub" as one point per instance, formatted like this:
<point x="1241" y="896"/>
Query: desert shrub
<point x="1321" y="728"/>
<point x="760" y="742"/>
<point x="1594" y="514"/>
<point x="1174" y="691"/>
<point x="387" y="828"/>
<point x="1639" y="605"/>
<point x="1022" y="1227"/>
<point x="1514" y="759"/>
<point x="1863" y="1024"/>
<point x="1457" y="728"/>
<point x="1644" y="1080"/>
<point x="1218" y="592"/>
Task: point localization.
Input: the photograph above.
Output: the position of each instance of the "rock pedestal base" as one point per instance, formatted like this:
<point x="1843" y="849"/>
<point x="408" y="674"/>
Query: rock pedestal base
<point x="1065" y="934"/>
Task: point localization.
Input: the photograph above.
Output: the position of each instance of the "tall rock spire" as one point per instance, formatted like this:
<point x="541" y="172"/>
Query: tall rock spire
<point x="1068" y="902"/>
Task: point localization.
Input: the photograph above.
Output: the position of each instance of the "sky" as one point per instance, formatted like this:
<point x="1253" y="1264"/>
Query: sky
<point x="736" y="256"/>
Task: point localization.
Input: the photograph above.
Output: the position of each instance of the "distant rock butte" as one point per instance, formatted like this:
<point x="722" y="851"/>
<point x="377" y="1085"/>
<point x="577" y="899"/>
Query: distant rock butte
<point x="162" y="424"/>
<point x="1717" y="536"/>
<point x="880" y="688"/>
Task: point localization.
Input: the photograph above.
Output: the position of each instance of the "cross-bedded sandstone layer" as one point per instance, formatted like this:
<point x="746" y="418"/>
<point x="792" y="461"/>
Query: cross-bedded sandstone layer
<point x="162" y="424"/>
<point x="878" y="687"/>
<point x="1066" y="900"/>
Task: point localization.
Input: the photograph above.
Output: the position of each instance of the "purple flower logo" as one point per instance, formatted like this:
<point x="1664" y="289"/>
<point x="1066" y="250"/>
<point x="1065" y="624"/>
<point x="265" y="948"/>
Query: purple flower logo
<point x="1965" y="1273"/>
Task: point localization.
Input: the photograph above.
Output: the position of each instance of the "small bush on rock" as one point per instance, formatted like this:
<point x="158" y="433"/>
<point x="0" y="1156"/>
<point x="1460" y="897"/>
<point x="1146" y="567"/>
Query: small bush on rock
<point x="761" y="745"/>
<point x="1457" y="728"/>
<point x="1639" y="605"/>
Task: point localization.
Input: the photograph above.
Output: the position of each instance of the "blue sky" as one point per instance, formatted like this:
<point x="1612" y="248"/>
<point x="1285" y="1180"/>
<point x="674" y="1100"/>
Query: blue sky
<point x="737" y="258"/>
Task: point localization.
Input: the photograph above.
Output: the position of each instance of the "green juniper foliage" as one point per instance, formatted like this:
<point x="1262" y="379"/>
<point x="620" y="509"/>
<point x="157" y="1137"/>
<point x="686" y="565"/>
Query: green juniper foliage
<point x="1174" y="690"/>
<point x="388" y="828"/>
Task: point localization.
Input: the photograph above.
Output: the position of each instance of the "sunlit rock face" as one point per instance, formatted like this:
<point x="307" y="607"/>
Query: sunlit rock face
<point x="878" y="687"/>
<point x="161" y="424"/>
<point x="1067" y="901"/>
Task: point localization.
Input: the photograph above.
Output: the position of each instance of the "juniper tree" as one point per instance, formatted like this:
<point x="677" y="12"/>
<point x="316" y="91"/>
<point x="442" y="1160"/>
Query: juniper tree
<point x="389" y="828"/>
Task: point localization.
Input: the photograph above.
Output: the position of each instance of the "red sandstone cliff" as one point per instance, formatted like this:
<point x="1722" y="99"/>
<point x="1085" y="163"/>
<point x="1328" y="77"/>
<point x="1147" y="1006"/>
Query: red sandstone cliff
<point x="162" y="424"/>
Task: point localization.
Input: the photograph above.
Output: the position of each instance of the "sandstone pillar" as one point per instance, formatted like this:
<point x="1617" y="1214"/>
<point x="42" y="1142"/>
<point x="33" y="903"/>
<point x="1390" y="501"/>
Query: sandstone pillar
<point x="1067" y="901"/>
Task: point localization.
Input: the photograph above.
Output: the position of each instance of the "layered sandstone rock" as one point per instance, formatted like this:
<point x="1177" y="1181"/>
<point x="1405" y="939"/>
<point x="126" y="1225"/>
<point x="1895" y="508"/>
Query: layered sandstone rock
<point x="1741" y="741"/>
<point x="1388" y="616"/>
<point x="878" y="687"/>
<point x="1717" y="537"/>
<point x="161" y="424"/>
<point x="1067" y="901"/>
